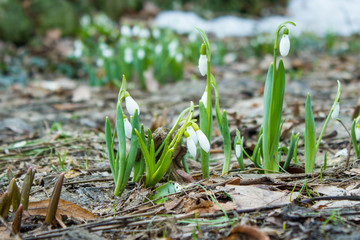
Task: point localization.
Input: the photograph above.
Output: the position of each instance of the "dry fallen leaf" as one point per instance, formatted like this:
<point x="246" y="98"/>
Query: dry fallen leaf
<point x="80" y="94"/>
<point x="247" y="232"/>
<point x="69" y="209"/>
<point x="254" y="196"/>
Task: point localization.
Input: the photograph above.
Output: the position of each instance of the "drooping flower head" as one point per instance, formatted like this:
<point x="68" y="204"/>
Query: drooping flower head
<point x="238" y="148"/>
<point x="127" y="126"/>
<point x="203" y="140"/>
<point x="284" y="46"/>
<point x="336" y="111"/>
<point x="130" y="104"/>
<point x="191" y="146"/>
<point x="203" y="60"/>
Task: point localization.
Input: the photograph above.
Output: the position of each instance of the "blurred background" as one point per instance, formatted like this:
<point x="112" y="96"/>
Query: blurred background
<point x="155" y="42"/>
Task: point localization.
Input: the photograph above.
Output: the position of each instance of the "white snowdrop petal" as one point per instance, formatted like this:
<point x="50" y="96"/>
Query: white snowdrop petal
<point x="203" y="141"/>
<point x="192" y="134"/>
<point x="125" y="30"/>
<point x="357" y="133"/>
<point x="191" y="146"/>
<point x="204" y="99"/>
<point x="128" y="56"/>
<point x="335" y="113"/>
<point x="128" y="128"/>
<point x="131" y="105"/>
<point x="203" y="65"/>
<point x="141" y="53"/>
<point x="237" y="150"/>
<point x="284" y="45"/>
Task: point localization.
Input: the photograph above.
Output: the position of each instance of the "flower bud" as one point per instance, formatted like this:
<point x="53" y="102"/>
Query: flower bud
<point x="285" y="43"/>
<point x="357" y="132"/>
<point x="131" y="105"/>
<point x="204" y="98"/>
<point x="128" y="127"/>
<point x="336" y="111"/>
<point x="203" y="60"/>
<point x="238" y="149"/>
<point x="191" y="146"/>
<point x="192" y="134"/>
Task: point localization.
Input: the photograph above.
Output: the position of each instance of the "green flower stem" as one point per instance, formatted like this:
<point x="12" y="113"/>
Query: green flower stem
<point x="337" y="99"/>
<point x="277" y="41"/>
<point x="353" y="137"/>
<point x="180" y="118"/>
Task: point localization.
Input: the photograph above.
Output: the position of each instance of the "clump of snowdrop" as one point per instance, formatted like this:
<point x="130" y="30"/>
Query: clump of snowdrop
<point x="141" y="53"/>
<point x="125" y="31"/>
<point x="128" y="55"/>
<point x="103" y="43"/>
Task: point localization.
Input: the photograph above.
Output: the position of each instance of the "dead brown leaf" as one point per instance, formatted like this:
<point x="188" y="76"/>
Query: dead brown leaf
<point x="69" y="209"/>
<point x="254" y="196"/>
<point x="247" y="232"/>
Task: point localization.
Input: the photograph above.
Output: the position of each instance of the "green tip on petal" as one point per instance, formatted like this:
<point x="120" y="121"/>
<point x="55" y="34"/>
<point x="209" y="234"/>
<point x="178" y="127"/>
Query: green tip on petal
<point x="203" y="49"/>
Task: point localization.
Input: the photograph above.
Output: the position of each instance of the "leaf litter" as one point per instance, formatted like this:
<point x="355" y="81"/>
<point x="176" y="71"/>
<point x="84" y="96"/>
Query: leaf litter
<point x="239" y="205"/>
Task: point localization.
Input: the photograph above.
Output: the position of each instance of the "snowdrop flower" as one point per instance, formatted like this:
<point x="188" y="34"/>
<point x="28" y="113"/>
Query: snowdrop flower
<point x="131" y="105"/>
<point x="158" y="49"/>
<point x="357" y="132"/>
<point x="85" y="21"/>
<point x="191" y="146"/>
<point x="125" y="31"/>
<point x="99" y="62"/>
<point x="156" y="33"/>
<point x="285" y="43"/>
<point x="178" y="57"/>
<point x="128" y="56"/>
<point x="105" y="50"/>
<point x="128" y="127"/>
<point x="238" y="149"/>
<point x="204" y="98"/>
<point x="144" y="33"/>
<point x="203" y="60"/>
<point x="336" y="111"/>
<point x="78" y="48"/>
<point x="141" y="53"/>
<point x="172" y="48"/>
<point x="136" y="30"/>
<point x="192" y="134"/>
<point x="203" y="140"/>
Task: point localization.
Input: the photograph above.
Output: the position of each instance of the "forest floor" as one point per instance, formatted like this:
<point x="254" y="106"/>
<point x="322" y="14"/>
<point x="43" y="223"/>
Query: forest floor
<point x="66" y="117"/>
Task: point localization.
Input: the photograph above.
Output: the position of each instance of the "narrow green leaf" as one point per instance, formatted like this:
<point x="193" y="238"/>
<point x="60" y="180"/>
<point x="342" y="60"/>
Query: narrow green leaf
<point x="120" y="165"/>
<point x="353" y="137"/>
<point x="309" y="137"/>
<point x="160" y="172"/>
<point x="206" y="41"/>
<point x="110" y="149"/>
<point x="291" y="150"/>
<point x="266" y="136"/>
<point x="227" y="143"/>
